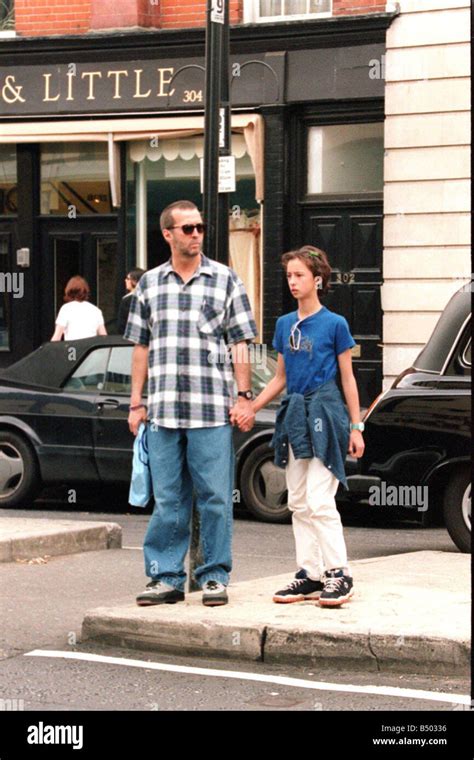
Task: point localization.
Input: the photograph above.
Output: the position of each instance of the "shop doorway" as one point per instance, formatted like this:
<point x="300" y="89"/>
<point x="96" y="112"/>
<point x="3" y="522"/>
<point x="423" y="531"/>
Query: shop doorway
<point x="91" y="253"/>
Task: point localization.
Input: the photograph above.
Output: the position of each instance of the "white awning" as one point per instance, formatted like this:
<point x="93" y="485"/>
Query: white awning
<point x="180" y="147"/>
<point x="113" y="131"/>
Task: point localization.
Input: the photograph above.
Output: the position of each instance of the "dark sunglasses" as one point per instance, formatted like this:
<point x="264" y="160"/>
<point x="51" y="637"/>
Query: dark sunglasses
<point x="188" y="229"/>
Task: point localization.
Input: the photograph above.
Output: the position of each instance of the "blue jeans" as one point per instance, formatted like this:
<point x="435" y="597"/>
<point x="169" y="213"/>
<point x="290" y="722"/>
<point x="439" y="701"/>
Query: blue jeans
<point x="181" y="459"/>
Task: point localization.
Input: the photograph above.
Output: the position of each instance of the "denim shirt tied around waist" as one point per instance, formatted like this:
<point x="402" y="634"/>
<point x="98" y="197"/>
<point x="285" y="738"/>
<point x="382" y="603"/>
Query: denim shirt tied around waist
<point x="315" y="424"/>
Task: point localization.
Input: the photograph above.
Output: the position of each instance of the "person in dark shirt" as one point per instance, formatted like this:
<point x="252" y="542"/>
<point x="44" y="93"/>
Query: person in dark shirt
<point x="131" y="282"/>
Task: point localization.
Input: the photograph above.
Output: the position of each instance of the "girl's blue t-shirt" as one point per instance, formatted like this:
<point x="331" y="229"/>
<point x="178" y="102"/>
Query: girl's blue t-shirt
<point x="324" y="335"/>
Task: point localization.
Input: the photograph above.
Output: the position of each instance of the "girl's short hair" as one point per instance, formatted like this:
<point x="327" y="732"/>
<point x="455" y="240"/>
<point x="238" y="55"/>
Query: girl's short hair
<point x="315" y="259"/>
<point x="76" y="289"/>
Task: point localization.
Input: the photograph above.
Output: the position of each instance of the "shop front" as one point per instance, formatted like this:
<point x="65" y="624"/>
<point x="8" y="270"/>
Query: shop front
<point x="92" y="151"/>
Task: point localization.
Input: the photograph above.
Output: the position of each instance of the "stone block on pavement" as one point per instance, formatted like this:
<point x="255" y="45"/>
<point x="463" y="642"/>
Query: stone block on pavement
<point x="24" y="538"/>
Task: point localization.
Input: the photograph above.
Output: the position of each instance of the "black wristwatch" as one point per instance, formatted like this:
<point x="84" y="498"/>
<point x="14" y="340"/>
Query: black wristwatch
<point x="246" y="394"/>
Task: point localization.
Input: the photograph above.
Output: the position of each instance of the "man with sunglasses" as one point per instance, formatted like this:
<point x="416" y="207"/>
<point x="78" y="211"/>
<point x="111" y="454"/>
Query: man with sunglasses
<point x="184" y="315"/>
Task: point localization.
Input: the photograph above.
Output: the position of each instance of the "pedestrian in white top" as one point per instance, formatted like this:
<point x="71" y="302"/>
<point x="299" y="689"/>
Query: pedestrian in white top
<point x="78" y="318"/>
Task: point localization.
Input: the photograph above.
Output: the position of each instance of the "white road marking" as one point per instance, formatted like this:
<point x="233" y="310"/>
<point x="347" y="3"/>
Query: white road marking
<point x="383" y="691"/>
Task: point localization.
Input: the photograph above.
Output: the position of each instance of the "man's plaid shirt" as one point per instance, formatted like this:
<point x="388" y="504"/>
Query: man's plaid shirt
<point x="187" y="327"/>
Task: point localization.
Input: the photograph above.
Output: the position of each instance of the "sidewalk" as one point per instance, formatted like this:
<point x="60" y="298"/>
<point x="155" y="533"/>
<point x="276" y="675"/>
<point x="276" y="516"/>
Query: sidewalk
<point x="23" y="539"/>
<point x="410" y="612"/>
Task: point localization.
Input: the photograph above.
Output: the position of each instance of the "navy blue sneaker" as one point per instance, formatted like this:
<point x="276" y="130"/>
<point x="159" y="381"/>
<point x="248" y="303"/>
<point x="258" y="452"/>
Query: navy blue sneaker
<point x="301" y="574"/>
<point x="338" y="588"/>
<point x="299" y="590"/>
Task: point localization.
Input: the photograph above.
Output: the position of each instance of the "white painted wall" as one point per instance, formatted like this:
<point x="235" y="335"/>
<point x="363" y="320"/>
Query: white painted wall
<point x="426" y="172"/>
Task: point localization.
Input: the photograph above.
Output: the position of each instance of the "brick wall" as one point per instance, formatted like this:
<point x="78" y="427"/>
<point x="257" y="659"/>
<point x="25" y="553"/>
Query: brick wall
<point x="176" y="14"/>
<point x="122" y="14"/>
<point x="43" y="17"/>
<point x="353" y="7"/>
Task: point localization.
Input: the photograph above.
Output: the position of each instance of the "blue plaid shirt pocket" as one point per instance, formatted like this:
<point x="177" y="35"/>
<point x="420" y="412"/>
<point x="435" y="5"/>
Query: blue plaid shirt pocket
<point x="210" y="320"/>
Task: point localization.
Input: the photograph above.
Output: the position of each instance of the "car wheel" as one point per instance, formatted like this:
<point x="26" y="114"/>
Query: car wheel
<point x="19" y="473"/>
<point x="263" y="486"/>
<point x="457" y="508"/>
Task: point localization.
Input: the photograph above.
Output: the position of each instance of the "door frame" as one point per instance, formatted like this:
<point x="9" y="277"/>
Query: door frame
<point x="86" y="231"/>
<point x="327" y="114"/>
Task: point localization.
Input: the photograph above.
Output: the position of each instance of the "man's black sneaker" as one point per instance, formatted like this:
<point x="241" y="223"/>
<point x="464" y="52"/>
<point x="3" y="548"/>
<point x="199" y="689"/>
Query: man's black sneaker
<point x="338" y="588"/>
<point x="214" y="594"/>
<point x="299" y="590"/>
<point x="157" y="592"/>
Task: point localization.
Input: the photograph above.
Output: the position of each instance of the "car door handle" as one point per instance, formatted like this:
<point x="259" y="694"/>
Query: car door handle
<point x="112" y="402"/>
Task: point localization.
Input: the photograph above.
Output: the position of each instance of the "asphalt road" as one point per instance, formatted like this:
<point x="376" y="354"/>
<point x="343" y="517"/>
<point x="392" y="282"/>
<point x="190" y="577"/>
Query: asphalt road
<point x="43" y="606"/>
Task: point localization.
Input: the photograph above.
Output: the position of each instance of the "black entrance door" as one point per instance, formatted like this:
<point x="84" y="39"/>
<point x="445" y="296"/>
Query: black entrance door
<point x="89" y="251"/>
<point x="351" y="235"/>
<point x="337" y="205"/>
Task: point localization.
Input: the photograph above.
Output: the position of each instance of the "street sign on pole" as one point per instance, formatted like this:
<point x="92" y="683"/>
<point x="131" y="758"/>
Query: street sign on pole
<point x="218" y="11"/>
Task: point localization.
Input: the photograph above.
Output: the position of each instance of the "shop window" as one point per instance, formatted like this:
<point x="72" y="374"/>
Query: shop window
<point x="7" y="17"/>
<point x="345" y="159"/>
<point x="285" y="10"/>
<point x="160" y="174"/>
<point x="75" y="179"/>
<point x="6" y="287"/>
<point x="8" y="180"/>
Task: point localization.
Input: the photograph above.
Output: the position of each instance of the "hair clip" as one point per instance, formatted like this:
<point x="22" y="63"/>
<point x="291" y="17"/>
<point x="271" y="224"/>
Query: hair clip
<point x="314" y="253"/>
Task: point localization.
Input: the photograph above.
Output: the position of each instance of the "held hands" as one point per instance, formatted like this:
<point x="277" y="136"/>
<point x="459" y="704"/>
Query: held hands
<point x="243" y="415"/>
<point x="356" y="444"/>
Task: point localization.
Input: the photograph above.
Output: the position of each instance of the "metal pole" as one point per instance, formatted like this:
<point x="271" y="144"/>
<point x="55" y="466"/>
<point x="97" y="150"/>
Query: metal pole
<point x="225" y="148"/>
<point x="216" y="239"/>
<point x="142" y="216"/>
<point x="214" y="35"/>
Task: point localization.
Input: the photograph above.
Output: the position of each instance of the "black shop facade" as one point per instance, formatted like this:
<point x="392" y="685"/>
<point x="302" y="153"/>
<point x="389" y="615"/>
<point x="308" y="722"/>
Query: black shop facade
<point x="99" y="133"/>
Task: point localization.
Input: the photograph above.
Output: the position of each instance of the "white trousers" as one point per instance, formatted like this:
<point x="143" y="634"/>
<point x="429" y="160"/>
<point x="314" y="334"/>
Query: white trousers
<point x="317" y="525"/>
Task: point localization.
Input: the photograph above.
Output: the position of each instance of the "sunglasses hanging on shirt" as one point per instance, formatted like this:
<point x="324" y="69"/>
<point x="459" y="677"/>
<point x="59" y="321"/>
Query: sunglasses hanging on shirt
<point x="295" y="337"/>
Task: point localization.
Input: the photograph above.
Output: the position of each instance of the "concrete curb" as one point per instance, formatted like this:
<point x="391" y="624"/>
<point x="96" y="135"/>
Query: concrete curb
<point x="373" y="653"/>
<point x="206" y="637"/>
<point x="400" y="619"/>
<point x="26" y="539"/>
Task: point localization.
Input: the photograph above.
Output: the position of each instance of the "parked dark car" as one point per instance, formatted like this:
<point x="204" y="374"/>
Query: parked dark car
<point x="63" y="419"/>
<point x="418" y="433"/>
<point x="63" y="412"/>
